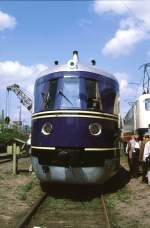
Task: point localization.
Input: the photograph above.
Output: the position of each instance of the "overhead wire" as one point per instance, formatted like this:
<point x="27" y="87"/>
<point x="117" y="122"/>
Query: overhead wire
<point x="143" y="80"/>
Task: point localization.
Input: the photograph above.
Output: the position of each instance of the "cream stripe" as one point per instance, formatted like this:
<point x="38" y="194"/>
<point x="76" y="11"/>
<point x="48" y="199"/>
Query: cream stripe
<point x="80" y="116"/>
<point x="100" y="149"/>
<point x="86" y="149"/>
<point x="75" y="111"/>
<point x="43" y="148"/>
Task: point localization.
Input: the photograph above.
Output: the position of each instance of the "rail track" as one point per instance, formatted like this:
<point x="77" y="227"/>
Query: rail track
<point x="9" y="158"/>
<point x="5" y="160"/>
<point x="54" y="212"/>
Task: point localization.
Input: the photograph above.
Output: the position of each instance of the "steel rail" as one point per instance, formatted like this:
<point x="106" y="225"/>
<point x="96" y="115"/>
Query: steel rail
<point x="105" y="212"/>
<point x="4" y="160"/>
<point x="26" y="220"/>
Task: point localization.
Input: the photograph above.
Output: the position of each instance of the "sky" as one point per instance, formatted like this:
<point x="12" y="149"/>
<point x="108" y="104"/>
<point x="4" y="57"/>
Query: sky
<point x="35" y="33"/>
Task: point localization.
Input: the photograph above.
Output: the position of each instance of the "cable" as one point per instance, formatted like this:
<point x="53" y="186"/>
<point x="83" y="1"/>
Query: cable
<point x="132" y="15"/>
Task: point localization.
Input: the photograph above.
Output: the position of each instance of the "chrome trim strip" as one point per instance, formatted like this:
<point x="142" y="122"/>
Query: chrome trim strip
<point x="86" y="149"/>
<point x="75" y="111"/>
<point x="43" y="148"/>
<point x="100" y="149"/>
<point x="79" y="116"/>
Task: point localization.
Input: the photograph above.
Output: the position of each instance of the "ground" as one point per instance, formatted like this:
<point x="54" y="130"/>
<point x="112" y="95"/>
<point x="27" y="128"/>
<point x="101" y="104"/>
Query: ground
<point x="128" y="206"/>
<point x="17" y="193"/>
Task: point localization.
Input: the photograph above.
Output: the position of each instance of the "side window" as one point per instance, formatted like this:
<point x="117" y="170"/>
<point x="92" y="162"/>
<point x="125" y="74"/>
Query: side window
<point x="93" y="95"/>
<point x="147" y="104"/>
<point x="49" y="96"/>
<point x="116" y="105"/>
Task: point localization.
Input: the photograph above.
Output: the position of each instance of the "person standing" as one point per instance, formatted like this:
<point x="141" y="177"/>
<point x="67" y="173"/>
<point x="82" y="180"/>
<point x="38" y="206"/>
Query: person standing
<point x="141" y="157"/>
<point x="133" y="155"/>
<point x="29" y="151"/>
<point x="146" y="158"/>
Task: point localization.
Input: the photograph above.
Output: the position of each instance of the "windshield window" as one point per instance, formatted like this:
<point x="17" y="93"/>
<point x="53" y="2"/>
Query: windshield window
<point x="70" y="93"/>
<point x="93" y="95"/>
<point x="147" y="104"/>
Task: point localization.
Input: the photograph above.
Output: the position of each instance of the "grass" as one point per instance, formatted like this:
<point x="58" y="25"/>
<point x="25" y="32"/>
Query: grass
<point x="67" y="204"/>
<point x="24" y="189"/>
<point x="111" y="202"/>
<point x="122" y="195"/>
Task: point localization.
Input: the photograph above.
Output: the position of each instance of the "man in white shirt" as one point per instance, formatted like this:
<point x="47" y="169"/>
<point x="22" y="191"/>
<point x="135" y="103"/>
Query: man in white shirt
<point x="133" y="155"/>
<point x="146" y="158"/>
<point x="141" y="157"/>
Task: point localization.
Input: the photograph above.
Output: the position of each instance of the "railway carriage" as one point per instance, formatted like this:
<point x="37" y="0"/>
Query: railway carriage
<point x="137" y="120"/>
<point x="75" y="125"/>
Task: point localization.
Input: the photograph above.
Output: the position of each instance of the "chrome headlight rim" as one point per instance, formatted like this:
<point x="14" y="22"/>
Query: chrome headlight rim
<point x="98" y="130"/>
<point x="47" y="129"/>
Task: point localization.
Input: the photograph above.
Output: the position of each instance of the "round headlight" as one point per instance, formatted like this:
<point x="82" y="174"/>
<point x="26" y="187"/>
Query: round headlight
<point x="71" y="64"/>
<point x="47" y="129"/>
<point x="95" y="129"/>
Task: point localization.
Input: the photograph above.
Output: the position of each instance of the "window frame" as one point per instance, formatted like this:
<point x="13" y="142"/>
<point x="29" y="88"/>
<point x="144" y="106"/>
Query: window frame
<point x="95" y="100"/>
<point x="146" y="105"/>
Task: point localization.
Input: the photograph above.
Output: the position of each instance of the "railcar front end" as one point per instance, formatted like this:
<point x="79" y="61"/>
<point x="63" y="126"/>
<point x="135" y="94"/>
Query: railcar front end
<point x="75" y="126"/>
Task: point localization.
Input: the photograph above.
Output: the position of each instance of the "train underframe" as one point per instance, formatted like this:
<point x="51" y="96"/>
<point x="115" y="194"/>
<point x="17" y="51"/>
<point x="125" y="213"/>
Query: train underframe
<point x="76" y="167"/>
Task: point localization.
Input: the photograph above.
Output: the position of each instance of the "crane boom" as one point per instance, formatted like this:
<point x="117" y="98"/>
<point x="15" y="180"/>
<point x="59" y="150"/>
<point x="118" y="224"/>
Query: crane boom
<point x="24" y="99"/>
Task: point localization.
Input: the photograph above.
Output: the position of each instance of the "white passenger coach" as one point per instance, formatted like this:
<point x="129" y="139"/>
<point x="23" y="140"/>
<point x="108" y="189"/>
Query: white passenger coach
<point x="137" y="120"/>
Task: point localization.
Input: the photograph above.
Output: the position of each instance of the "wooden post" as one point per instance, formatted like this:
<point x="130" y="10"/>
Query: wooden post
<point x="15" y="160"/>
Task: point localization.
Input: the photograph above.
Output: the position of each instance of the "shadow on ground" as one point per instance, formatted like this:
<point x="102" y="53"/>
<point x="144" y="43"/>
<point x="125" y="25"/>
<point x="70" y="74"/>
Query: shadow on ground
<point x="88" y="192"/>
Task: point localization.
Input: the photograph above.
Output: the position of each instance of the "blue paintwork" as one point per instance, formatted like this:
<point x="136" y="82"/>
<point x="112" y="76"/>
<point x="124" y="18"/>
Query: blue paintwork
<point x="73" y="132"/>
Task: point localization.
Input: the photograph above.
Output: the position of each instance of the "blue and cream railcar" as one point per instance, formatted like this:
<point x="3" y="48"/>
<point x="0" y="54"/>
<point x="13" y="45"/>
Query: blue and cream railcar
<point x="75" y="125"/>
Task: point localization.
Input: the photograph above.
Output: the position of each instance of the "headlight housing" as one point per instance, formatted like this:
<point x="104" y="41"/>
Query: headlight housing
<point x="95" y="129"/>
<point x="47" y="129"/>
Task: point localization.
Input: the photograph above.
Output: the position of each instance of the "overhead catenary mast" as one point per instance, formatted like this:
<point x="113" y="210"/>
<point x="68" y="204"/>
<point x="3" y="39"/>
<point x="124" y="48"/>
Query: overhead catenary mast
<point x="146" y="78"/>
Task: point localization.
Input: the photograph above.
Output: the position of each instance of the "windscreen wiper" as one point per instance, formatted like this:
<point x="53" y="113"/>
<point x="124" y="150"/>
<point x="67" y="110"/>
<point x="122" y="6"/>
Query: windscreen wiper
<point x="46" y="99"/>
<point x="62" y="94"/>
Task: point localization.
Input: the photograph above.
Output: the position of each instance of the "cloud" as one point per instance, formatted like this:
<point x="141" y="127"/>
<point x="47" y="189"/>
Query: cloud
<point x="123" y="42"/>
<point x="13" y="72"/>
<point x="6" y="21"/>
<point x="134" y="25"/>
<point x="108" y="6"/>
<point x="122" y="78"/>
<point x="128" y="92"/>
<point x="84" y="22"/>
<point x="148" y="53"/>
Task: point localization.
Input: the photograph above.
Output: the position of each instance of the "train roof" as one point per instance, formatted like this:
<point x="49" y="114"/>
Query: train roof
<point x="74" y="65"/>
<point x="141" y="98"/>
<point x="144" y="96"/>
<point x="80" y="67"/>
